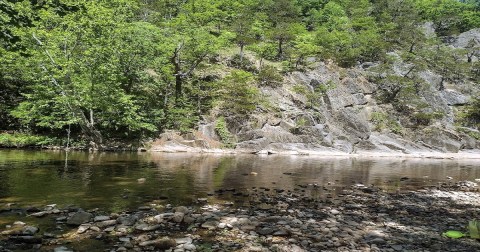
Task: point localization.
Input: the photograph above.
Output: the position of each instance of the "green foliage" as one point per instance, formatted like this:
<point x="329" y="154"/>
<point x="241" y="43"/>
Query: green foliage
<point x="269" y="76"/>
<point x="313" y="94"/>
<point x="242" y="63"/>
<point x="474" y="229"/>
<point x="127" y="69"/>
<point x="383" y="121"/>
<point x="302" y="47"/>
<point x="265" y="50"/>
<point x="453" y="234"/>
<point x="450" y="16"/>
<point x="19" y="140"/>
<point x="425" y="118"/>
<point x="472" y="113"/>
<point x="226" y="137"/>
<point x="469" y="132"/>
<point x="182" y="118"/>
<point x="240" y="96"/>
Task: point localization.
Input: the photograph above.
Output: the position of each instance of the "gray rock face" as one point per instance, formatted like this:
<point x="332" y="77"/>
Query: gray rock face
<point x="79" y="218"/>
<point x="384" y="143"/>
<point x="440" y="139"/>
<point x="341" y="118"/>
<point x="464" y="39"/>
<point x="467" y="40"/>
<point x="339" y="98"/>
<point x="454" y="98"/>
<point x="352" y="123"/>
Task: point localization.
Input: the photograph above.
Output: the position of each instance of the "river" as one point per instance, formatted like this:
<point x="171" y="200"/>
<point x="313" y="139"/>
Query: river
<point x="124" y="180"/>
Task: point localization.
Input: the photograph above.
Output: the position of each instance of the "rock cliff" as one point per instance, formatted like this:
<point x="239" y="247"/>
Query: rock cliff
<point x="336" y="110"/>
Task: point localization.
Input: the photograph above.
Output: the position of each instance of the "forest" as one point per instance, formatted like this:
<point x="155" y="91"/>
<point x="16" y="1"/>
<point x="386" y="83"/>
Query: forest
<point x="97" y="72"/>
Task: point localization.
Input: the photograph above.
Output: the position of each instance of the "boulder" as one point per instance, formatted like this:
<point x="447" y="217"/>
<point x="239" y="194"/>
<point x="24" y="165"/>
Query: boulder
<point x="127" y="220"/>
<point x="101" y="218"/>
<point x="30" y="230"/>
<point x="464" y="39"/>
<point x="178" y="217"/>
<point x="146" y="227"/>
<point x="160" y="244"/>
<point x="79" y="218"/>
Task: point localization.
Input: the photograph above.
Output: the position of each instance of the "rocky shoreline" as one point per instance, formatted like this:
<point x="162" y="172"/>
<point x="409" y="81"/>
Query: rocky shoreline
<point x="176" y="147"/>
<point x="358" y="218"/>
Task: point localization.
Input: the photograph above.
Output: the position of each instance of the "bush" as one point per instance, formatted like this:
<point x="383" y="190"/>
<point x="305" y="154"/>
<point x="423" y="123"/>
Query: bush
<point x="313" y="96"/>
<point x="240" y="96"/>
<point x="19" y="140"/>
<point x="472" y="113"/>
<point x="269" y="76"/>
<point x="243" y="64"/>
<point x="226" y="137"/>
<point x="383" y="121"/>
<point x="424" y="118"/>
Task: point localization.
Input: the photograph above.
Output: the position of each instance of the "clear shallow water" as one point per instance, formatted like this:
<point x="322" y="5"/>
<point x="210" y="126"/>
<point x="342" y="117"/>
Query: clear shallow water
<point x="109" y="180"/>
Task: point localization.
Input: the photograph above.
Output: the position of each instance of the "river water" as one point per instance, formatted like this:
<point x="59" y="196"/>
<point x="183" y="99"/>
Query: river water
<point x="110" y="181"/>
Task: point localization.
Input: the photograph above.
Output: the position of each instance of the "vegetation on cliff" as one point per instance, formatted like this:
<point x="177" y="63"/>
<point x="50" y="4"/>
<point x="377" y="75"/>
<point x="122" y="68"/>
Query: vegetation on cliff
<point x="125" y="70"/>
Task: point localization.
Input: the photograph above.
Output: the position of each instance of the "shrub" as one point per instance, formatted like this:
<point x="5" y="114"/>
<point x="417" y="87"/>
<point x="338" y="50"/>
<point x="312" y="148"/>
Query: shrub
<point x="269" y="76"/>
<point x="19" y="140"/>
<point x="243" y="64"/>
<point x="472" y="113"/>
<point x="240" y="96"/>
<point x="425" y="118"/>
<point x="383" y="121"/>
<point x="226" y="137"/>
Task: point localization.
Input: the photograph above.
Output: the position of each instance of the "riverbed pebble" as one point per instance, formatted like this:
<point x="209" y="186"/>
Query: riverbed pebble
<point x="278" y="220"/>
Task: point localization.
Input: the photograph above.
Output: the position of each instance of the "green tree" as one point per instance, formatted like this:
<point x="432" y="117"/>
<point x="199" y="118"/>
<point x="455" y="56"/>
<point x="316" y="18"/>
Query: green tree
<point x="240" y="96"/>
<point x="243" y="28"/>
<point x="450" y="16"/>
<point x="87" y="65"/>
<point x="284" y="17"/>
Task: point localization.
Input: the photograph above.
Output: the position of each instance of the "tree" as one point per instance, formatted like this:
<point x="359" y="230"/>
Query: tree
<point x="447" y="62"/>
<point x="284" y="17"/>
<point x="243" y="28"/>
<point x="449" y="16"/>
<point x="304" y="46"/>
<point x="240" y="96"/>
<point x="87" y="67"/>
<point x="191" y="48"/>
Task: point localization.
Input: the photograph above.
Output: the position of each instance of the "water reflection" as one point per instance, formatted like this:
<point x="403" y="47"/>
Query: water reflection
<point x="109" y="180"/>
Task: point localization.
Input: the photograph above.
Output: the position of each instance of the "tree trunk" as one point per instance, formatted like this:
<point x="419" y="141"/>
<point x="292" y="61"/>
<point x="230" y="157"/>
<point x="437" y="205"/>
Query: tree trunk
<point x="280" y="48"/>
<point x="241" y="52"/>
<point x="95" y="137"/>
<point x="178" y="87"/>
<point x="178" y="75"/>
